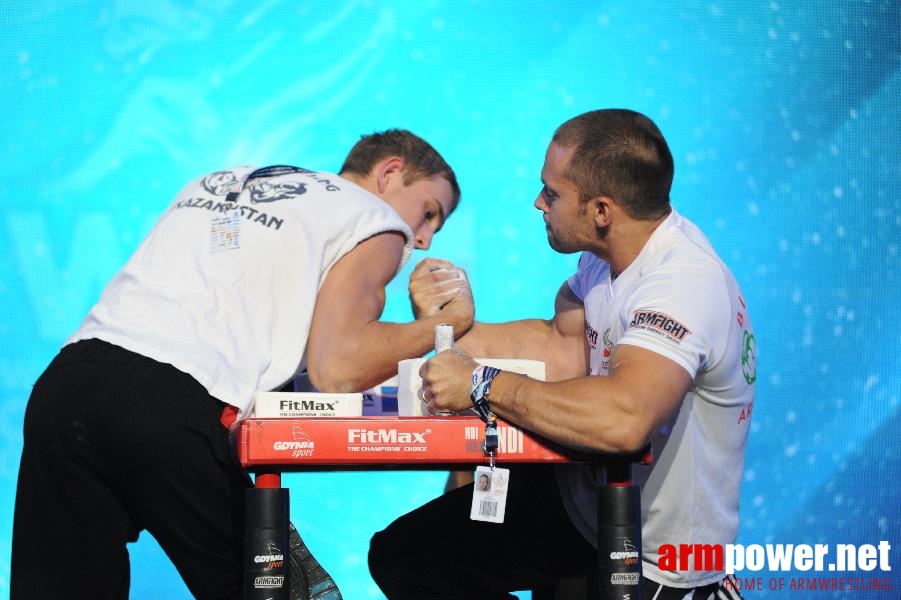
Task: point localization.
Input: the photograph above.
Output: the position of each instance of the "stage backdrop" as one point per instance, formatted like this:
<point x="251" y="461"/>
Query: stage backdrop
<point x="783" y="118"/>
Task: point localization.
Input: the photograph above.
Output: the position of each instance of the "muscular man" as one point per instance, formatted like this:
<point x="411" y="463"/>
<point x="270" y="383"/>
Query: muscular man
<point x="249" y="277"/>
<point x="650" y="342"/>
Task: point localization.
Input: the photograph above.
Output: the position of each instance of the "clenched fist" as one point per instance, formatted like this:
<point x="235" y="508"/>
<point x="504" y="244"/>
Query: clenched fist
<point x="437" y="287"/>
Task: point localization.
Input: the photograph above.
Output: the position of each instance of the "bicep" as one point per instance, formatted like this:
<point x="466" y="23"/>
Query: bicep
<point x="567" y="350"/>
<point x="569" y="314"/>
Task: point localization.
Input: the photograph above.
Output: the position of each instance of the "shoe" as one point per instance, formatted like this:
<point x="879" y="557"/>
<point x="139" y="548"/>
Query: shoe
<point x="307" y="580"/>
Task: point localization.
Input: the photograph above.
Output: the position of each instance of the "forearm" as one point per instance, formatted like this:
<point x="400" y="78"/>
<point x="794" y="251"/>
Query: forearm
<point x="371" y="356"/>
<point x="581" y="413"/>
<point x="617" y="412"/>
<point x="516" y="339"/>
<point x="533" y="339"/>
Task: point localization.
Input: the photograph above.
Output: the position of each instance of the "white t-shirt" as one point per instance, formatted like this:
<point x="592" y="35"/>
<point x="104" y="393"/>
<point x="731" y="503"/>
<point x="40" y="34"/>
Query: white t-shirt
<point x="225" y="290"/>
<point x="677" y="299"/>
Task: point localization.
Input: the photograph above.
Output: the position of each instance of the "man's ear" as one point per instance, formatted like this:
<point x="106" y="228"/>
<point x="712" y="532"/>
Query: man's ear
<point x="601" y="208"/>
<point x="388" y="170"/>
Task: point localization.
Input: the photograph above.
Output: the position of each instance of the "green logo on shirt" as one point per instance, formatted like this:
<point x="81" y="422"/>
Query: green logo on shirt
<point x="749" y="358"/>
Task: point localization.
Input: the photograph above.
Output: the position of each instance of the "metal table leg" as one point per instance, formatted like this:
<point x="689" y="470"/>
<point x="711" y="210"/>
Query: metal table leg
<point x="266" y="539"/>
<point x="619" y="534"/>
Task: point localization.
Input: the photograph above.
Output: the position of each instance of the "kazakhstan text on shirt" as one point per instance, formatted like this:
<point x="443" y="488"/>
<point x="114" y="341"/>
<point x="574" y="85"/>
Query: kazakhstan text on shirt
<point x="247" y="212"/>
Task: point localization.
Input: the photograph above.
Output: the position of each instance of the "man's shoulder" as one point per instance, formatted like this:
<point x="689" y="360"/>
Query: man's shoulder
<point x="681" y="241"/>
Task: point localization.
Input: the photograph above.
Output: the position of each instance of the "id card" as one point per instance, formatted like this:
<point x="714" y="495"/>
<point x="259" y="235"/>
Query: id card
<point x="225" y="230"/>
<point x="489" y="494"/>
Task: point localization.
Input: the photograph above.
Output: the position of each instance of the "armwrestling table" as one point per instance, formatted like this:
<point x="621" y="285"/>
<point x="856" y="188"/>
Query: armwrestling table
<point x="269" y="446"/>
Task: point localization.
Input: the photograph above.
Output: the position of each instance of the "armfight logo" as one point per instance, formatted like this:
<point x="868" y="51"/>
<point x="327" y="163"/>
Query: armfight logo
<point x="624" y="578"/>
<point x="273" y="559"/>
<point x="659" y="323"/>
<point x="625" y="557"/>
<point x="269" y="582"/>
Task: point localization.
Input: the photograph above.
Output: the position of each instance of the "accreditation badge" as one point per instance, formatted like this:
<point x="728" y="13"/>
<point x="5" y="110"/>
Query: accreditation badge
<point x="489" y="495"/>
<point x="225" y="231"/>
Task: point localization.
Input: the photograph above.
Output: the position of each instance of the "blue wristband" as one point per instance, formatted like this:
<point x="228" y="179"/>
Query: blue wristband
<point x="482" y="377"/>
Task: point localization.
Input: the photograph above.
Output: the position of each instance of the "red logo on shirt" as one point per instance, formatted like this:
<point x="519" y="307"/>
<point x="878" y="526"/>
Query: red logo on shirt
<point x="608" y="350"/>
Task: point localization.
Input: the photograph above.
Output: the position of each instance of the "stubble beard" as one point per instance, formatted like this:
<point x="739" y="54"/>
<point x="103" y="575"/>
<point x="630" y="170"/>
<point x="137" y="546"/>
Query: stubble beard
<point x="561" y="244"/>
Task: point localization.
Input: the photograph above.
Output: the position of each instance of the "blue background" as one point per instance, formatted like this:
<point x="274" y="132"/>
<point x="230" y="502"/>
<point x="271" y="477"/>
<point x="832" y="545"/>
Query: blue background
<point x="783" y="118"/>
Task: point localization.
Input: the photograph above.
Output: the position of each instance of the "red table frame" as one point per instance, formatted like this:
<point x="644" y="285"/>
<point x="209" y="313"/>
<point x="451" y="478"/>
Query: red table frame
<point x="269" y="446"/>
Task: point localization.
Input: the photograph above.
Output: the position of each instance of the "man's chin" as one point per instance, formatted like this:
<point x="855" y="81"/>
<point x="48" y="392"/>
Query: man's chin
<point x="560" y="248"/>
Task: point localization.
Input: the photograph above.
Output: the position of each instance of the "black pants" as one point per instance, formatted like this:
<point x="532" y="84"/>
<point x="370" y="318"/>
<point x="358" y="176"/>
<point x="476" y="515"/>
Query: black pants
<point x="116" y="443"/>
<point x="437" y="553"/>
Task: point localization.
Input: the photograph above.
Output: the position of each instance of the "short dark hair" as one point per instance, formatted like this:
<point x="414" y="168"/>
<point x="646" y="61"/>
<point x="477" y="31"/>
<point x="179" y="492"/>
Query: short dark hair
<point x="621" y="154"/>
<point x="421" y="160"/>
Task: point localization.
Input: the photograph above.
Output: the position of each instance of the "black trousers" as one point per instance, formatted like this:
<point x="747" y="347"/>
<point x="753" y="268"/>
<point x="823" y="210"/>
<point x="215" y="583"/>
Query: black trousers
<point x="117" y="443"/>
<point x="437" y="553"/>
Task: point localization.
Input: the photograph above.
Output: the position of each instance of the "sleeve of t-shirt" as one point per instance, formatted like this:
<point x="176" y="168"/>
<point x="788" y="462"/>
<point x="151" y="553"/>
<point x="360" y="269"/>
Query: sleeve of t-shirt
<point x="678" y="314"/>
<point x="588" y="273"/>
